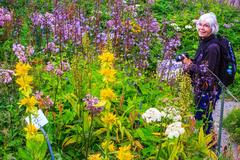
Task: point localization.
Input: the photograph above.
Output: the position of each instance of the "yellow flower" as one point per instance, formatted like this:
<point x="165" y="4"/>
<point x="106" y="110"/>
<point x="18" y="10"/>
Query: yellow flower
<point x="109" y="74"/>
<point x="30" y="103"/>
<point x="100" y="103"/>
<point x="106" y="57"/>
<point x="135" y="27"/>
<point x="124" y="153"/>
<point x="22" y="69"/>
<point x="107" y="94"/>
<point x="109" y="119"/>
<point x="24" y="83"/>
<point x="110" y="146"/>
<point x="95" y="157"/>
<point x="30" y="129"/>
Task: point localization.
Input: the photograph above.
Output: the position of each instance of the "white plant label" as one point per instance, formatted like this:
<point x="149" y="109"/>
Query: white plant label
<point x="38" y="120"/>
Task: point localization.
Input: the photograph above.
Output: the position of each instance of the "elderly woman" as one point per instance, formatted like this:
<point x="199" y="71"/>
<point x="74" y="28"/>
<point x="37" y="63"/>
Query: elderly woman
<point x="204" y="68"/>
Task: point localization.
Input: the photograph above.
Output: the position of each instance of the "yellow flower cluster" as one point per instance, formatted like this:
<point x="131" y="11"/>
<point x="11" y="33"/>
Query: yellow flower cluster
<point x="31" y="130"/>
<point x="108" y="145"/>
<point x="109" y="119"/>
<point x="135" y="27"/>
<point x="106" y="57"/>
<point x="109" y="74"/>
<point x="30" y="102"/>
<point x="95" y="157"/>
<point x="107" y="70"/>
<point x="22" y="69"/>
<point x="124" y="153"/>
<point x="107" y="94"/>
<point x="23" y="80"/>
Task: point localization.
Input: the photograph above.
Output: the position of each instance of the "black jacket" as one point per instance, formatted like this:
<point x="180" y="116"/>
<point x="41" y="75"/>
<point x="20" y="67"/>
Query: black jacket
<point x="208" y="53"/>
<point x="207" y="58"/>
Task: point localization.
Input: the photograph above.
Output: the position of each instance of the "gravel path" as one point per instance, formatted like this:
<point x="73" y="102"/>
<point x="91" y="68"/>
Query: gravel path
<point x="225" y="142"/>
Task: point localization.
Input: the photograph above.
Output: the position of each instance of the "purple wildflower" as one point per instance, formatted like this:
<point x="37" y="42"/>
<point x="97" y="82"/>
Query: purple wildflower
<point x="19" y="51"/>
<point x="49" y="67"/>
<point x="48" y="102"/>
<point x="151" y="1"/>
<point x="38" y="95"/>
<point x="228" y="25"/>
<point x="101" y="38"/>
<point x="6" y="76"/>
<point x="65" y="66"/>
<point x="5" y="16"/>
<point x="110" y="23"/>
<point x="59" y="72"/>
<point x="30" y="50"/>
<point x="51" y="47"/>
<point x="171" y="45"/>
<point x="44" y="101"/>
<point x="90" y="101"/>
<point x="37" y="19"/>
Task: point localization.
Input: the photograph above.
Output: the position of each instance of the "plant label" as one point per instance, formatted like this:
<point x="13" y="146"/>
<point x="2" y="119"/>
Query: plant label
<point x="38" y="120"/>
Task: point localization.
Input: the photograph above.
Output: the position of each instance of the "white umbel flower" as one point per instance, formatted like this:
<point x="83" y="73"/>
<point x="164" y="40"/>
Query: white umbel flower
<point x="174" y="130"/>
<point x="152" y="115"/>
<point x="188" y="27"/>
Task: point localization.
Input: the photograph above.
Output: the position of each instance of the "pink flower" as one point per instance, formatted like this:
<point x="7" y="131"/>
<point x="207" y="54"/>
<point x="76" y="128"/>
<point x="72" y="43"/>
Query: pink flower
<point x="19" y="51"/>
<point x="59" y="72"/>
<point x="6" y="76"/>
<point x="30" y="50"/>
<point x="49" y="67"/>
<point x="65" y="66"/>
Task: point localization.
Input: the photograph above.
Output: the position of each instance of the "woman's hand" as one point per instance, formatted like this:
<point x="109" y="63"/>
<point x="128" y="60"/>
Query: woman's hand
<point x="187" y="61"/>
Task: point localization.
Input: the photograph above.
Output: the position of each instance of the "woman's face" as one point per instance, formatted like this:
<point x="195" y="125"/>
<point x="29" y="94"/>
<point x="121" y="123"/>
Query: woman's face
<point x="204" y="29"/>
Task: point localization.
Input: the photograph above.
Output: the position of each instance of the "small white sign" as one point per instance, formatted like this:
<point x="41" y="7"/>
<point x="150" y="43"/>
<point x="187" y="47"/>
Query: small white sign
<point x="38" y="120"/>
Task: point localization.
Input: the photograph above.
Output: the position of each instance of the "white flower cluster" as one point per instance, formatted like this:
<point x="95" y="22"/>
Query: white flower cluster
<point x="172" y="113"/>
<point x="175" y="26"/>
<point x="188" y="27"/>
<point x="152" y="115"/>
<point x="174" y="130"/>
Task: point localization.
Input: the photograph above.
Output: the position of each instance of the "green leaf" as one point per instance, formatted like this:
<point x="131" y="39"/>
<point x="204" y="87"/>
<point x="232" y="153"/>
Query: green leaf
<point x="70" y="140"/>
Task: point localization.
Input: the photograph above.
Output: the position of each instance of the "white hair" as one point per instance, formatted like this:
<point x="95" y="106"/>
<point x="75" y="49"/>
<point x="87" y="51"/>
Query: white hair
<point x="211" y="19"/>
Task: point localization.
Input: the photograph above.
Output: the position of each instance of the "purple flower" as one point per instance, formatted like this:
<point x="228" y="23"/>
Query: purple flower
<point x="101" y="38"/>
<point x="151" y="1"/>
<point x="110" y="23"/>
<point x="51" y="47"/>
<point x="37" y="19"/>
<point x="19" y="51"/>
<point x="43" y="100"/>
<point x="65" y="66"/>
<point x="6" y="76"/>
<point x="38" y="95"/>
<point x="59" y="72"/>
<point x="49" y="67"/>
<point x="90" y="101"/>
<point x="5" y="16"/>
<point x="48" y="102"/>
<point x="228" y="25"/>
<point x="30" y="50"/>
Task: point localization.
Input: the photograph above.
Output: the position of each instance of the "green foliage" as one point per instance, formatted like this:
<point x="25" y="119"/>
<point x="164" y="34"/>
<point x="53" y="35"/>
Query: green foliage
<point x="232" y="125"/>
<point x="36" y="148"/>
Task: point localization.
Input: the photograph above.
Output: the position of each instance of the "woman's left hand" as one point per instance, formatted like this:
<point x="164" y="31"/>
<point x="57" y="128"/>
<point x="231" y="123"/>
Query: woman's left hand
<point x="187" y="61"/>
